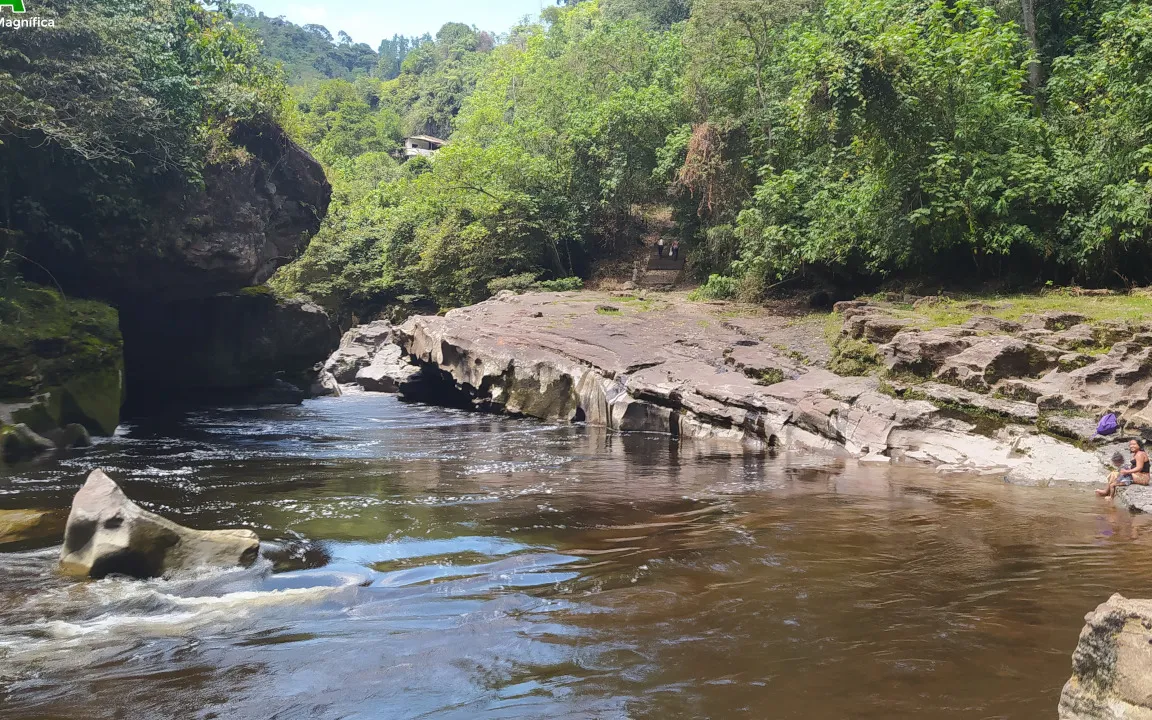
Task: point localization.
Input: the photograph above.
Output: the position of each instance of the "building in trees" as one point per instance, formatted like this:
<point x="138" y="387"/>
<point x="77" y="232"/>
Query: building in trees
<point x="423" y="145"/>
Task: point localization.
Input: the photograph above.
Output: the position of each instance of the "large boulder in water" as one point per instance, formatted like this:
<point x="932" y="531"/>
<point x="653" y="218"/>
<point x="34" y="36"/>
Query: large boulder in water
<point x="108" y="533"/>
<point x="1110" y="678"/>
<point x="20" y="442"/>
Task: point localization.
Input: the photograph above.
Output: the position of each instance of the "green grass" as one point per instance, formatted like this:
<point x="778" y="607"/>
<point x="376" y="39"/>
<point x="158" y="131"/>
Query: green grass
<point x="636" y="303"/>
<point x="768" y="376"/>
<point x="794" y="354"/>
<point x="951" y="311"/>
<point x="854" y="357"/>
<point x="603" y="310"/>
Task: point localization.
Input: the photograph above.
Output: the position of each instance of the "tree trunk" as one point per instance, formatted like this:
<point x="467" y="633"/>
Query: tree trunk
<point x="1028" y="10"/>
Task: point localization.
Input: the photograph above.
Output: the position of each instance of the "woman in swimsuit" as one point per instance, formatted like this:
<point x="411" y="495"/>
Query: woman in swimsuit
<point x="1136" y="472"/>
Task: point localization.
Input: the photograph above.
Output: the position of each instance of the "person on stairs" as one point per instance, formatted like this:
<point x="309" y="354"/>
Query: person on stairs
<point x="660" y="248"/>
<point x="675" y="251"/>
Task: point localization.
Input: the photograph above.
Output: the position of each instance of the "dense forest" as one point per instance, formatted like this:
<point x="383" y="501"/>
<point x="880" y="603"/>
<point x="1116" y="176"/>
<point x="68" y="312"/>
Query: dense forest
<point x="841" y="142"/>
<point x="830" y="141"/>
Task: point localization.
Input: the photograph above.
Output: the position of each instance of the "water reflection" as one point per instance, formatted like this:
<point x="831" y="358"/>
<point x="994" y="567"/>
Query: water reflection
<point x="452" y="565"/>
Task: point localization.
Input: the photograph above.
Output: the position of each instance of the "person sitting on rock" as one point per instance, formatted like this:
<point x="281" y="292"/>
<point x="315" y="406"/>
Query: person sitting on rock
<point x="1136" y="472"/>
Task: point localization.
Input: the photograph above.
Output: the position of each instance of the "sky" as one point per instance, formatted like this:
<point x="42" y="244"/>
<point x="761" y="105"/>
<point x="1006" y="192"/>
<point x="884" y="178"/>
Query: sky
<point x="370" y="22"/>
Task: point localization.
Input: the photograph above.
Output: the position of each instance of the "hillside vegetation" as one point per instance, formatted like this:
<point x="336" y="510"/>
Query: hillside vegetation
<point x="837" y="141"/>
<point x="118" y="105"/>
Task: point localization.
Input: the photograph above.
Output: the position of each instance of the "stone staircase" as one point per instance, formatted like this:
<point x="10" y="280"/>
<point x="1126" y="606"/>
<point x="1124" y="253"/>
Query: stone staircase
<point x="653" y="271"/>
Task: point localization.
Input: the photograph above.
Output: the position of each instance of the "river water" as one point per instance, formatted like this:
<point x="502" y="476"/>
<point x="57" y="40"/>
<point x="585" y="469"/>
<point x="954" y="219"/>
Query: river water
<point x="455" y="565"/>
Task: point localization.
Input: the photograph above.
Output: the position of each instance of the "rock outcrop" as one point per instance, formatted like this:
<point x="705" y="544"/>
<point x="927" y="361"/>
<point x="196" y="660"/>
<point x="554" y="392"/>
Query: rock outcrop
<point x="1110" y="678"/>
<point x="357" y="348"/>
<point x="368" y="358"/>
<point x="691" y="370"/>
<point x="1137" y="498"/>
<point x="109" y="534"/>
<point x="247" y="347"/>
<point x="1050" y="369"/>
<point x="247" y="219"/>
<point x="388" y="371"/>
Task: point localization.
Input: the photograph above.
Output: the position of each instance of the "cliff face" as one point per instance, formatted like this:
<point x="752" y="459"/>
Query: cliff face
<point x="250" y="217"/>
<point x="230" y="347"/>
<point x="708" y="371"/>
<point x="61" y="362"/>
<point x="172" y="267"/>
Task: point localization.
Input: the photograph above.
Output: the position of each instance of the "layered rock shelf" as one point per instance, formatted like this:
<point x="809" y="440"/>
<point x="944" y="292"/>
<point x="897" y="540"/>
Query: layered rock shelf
<point x="700" y="370"/>
<point x="1055" y="366"/>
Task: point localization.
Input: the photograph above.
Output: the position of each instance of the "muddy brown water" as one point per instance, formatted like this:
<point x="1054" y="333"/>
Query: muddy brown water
<point x="471" y="566"/>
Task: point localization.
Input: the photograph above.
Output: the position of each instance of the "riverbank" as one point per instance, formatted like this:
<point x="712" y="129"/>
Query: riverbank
<point x="659" y="362"/>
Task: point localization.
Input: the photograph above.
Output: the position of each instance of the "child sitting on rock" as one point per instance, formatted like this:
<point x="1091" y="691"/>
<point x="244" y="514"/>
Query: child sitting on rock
<point x="1136" y="472"/>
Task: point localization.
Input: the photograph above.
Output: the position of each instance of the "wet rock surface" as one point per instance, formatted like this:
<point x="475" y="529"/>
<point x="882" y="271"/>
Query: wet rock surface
<point x="1110" y="678"/>
<point x="18" y="526"/>
<point x="109" y="534"/>
<point x="686" y="369"/>
<point x="1137" y="498"/>
<point x="20" y="442"/>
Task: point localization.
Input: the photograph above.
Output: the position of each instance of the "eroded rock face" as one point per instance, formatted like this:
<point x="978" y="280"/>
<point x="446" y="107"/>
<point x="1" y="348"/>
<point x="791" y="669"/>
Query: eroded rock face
<point x="989" y="360"/>
<point x="675" y="369"/>
<point x="1110" y="678"/>
<point x="108" y="534"/>
<point x="923" y="353"/>
<point x="989" y="324"/>
<point x="357" y="348"/>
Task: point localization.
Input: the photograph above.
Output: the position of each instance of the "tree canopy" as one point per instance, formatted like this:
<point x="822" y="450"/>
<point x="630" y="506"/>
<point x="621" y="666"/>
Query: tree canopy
<point x="119" y="101"/>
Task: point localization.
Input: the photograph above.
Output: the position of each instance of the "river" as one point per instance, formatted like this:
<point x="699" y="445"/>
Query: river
<point x="456" y="565"/>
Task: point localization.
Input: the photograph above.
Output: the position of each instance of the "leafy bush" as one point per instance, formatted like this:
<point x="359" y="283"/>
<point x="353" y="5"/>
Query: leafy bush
<point x="718" y="287"/>
<point x="561" y="285"/>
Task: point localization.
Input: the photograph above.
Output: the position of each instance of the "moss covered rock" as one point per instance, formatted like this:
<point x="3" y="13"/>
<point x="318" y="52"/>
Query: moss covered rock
<point x="61" y="361"/>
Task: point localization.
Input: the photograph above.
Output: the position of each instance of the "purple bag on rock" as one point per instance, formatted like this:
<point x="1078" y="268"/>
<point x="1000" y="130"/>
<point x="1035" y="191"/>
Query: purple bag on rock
<point x="1107" y="424"/>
